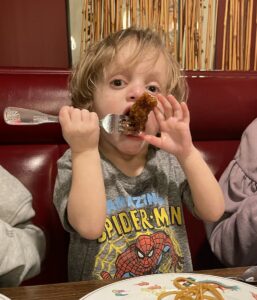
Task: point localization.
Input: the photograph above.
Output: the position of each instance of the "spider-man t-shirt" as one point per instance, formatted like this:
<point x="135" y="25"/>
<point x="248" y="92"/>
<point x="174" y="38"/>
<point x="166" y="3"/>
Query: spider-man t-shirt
<point x="144" y="229"/>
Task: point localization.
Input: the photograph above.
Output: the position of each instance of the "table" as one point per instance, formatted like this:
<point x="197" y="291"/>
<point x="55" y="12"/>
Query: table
<point x="76" y="290"/>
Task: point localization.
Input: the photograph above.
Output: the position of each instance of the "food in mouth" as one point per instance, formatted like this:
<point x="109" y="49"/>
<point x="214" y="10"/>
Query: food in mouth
<point x="140" y="110"/>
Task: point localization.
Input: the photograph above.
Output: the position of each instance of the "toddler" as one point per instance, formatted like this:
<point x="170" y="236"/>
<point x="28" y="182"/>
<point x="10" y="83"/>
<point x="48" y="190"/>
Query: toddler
<point x="120" y="196"/>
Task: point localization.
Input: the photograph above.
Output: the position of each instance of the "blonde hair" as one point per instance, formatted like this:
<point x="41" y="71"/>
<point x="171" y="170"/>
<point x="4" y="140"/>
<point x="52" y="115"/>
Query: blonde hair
<point x="98" y="56"/>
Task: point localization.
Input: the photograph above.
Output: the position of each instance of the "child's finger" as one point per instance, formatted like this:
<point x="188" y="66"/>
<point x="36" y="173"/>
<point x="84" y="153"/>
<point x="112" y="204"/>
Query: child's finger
<point x="185" y="110"/>
<point x="176" y="106"/>
<point x="159" y="114"/>
<point x="64" y="114"/>
<point x="151" y="139"/>
<point x="85" y="115"/>
<point x="76" y="116"/>
<point x="94" y="119"/>
<point x="168" y="110"/>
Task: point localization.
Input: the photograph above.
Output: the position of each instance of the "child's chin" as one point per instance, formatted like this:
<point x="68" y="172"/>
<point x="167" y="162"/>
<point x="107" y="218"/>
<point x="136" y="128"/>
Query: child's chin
<point x="133" y="146"/>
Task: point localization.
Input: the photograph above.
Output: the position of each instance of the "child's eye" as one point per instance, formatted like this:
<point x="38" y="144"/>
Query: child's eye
<point x="117" y="83"/>
<point x="153" y="89"/>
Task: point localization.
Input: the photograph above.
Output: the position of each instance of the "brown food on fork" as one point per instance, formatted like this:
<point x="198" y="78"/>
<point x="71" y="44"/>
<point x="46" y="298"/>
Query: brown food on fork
<point x="140" y="110"/>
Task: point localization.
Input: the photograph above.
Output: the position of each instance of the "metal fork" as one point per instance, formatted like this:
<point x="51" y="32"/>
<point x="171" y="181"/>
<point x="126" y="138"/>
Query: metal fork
<point x="249" y="276"/>
<point x="111" y="123"/>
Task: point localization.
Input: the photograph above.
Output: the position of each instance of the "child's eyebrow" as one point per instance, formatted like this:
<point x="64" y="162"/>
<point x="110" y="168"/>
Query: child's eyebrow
<point x="120" y="70"/>
<point x="154" y="75"/>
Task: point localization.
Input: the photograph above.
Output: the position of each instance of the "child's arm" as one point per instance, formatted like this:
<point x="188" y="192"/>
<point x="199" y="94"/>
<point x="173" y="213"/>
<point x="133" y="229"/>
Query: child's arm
<point x="206" y="192"/>
<point x="86" y="208"/>
<point x="176" y="139"/>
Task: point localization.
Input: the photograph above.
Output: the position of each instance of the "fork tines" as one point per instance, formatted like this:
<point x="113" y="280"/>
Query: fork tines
<point x="125" y="127"/>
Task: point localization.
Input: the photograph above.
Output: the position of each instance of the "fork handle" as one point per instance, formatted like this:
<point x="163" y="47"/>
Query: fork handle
<point x="25" y="116"/>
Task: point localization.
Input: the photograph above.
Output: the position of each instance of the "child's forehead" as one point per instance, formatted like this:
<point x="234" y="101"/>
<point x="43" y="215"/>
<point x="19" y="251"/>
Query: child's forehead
<point x="135" y="51"/>
<point x="130" y="55"/>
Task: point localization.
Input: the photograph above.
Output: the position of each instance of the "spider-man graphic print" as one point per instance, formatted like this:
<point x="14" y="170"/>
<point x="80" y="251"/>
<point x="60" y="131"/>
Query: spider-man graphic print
<point x="144" y="256"/>
<point x="141" y="241"/>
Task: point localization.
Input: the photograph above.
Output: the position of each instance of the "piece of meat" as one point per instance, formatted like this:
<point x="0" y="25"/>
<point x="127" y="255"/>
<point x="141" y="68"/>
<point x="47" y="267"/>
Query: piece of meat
<point x="140" y="110"/>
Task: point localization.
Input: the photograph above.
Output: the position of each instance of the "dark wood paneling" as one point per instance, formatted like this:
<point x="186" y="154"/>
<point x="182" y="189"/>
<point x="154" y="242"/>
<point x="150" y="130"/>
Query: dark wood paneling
<point x="33" y="33"/>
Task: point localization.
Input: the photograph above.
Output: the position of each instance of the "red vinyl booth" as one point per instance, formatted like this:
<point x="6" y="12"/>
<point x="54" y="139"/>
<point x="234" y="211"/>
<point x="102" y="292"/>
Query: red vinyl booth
<point x="222" y="104"/>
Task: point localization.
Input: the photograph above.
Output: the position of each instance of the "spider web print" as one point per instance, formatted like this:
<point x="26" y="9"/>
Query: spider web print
<point x="111" y="249"/>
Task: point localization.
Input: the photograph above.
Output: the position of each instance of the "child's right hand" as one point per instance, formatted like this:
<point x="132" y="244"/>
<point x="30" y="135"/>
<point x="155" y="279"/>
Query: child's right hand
<point x="80" y="128"/>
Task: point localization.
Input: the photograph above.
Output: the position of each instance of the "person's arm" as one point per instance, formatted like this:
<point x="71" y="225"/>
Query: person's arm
<point x="21" y="252"/>
<point x="22" y="243"/>
<point x="176" y="139"/>
<point x="234" y="238"/>
<point x="86" y="208"/>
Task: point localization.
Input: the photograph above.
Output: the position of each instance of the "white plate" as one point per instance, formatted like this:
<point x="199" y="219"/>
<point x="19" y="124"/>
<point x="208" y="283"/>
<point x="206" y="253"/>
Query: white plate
<point x="150" y="286"/>
<point x="3" y="297"/>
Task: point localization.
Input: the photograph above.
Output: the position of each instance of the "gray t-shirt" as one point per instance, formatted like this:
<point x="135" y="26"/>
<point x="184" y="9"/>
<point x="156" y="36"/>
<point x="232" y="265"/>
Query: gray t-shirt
<point x="144" y="231"/>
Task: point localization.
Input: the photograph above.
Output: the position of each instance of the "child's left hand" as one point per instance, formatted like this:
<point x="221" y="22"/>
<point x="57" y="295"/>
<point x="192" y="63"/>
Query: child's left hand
<point x="174" y="128"/>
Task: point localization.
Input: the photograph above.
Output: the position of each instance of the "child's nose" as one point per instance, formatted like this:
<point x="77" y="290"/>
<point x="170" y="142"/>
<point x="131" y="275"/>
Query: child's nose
<point x="135" y="93"/>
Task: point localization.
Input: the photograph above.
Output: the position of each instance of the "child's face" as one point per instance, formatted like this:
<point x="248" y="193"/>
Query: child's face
<point x="122" y="84"/>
